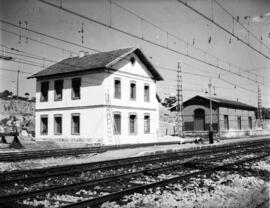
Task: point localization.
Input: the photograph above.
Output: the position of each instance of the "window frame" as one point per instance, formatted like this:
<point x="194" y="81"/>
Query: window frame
<point x="115" y="124"/>
<point x="73" y="97"/>
<point x="42" y="125"/>
<point x="54" y="123"/>
<point x="239" y="123"/>
<point x="131" y="90"/>
<point x="117" y="96"/>
<point x="250" y="122"/>
<point x="41" y="91"/>
<point x="72" y="124"/>
<point x="55" y="94"/>
<point x="226" y="122"/>
<point x="148" y="95"/>
<point x="148" y="130"/>
<point x="135" y="124"/>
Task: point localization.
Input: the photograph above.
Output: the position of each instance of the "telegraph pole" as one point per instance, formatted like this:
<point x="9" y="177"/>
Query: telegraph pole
<point x="17" y="84"/>
<point x="180" y="121"/>
<point x="210" y="93"/>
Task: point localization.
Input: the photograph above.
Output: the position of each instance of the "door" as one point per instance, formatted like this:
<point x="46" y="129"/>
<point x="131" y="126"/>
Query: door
<point x="199" y="120"/>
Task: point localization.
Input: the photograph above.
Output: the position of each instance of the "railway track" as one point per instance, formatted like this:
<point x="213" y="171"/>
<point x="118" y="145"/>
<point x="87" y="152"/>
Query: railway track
<point x="68" y="170"/>
<point x="27" y="155"/>
<point x="109" y="186"/>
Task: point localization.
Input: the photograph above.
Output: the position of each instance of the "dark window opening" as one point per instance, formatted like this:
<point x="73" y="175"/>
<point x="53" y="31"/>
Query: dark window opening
<point x="146" y="93"/>
<point x="250" y="122"/>
<point x="132" y="60"/>
<point x="226" y="122"/>
<point x="147" y="124"/>
<point x="58" y="90"/>
<point x="132" y="124"/>
<point x="239" y="122"/>
<point x="117" y="89"/>
<point x="75" y="124"/>
<point x="132" y="91"/>
<point x="76" y="88"/>
<point x="58" y="125"/>
<point x="117" y="124"/>
<point x="44" y="91"/>
<point x="44" y="125"/>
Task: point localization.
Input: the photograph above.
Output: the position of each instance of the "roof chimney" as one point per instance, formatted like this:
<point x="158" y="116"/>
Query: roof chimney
<point x="81" y="54"/>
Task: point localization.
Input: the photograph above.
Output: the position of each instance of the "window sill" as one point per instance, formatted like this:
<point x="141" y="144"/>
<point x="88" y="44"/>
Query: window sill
<point x="75" y="134"/>
<point x="43" y="101"/>
<point x="75" y="98"/>
<point x="56" y="100"/>
<point x="58" y="134"/>
<point x="133" y="134"/>
<point x="44" y="134"/>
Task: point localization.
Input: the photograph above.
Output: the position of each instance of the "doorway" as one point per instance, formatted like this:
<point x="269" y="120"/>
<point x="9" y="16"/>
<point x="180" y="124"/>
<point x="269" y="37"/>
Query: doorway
<point x="199" y="120"/>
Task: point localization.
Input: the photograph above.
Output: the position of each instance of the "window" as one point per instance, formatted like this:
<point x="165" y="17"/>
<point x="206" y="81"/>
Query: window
<point x="58" y="90"/>
<point x="75" y="123"/>
<point x="133" y="91"/>
<point x="226" y="122"/>
<point x="249" y="122"/>
<point x="146" y="124"/>
<point x="117" y="88"/>
<point x="146" y="93"/>
<point x="239" y="122"/>
<point x="132" y="124"/>
<point x="117" y="123"/>
<point x="44" y="91"/>
<point x="58" y="124"/>
<point x="44" y="125"/>
<point x="76" y="88"/>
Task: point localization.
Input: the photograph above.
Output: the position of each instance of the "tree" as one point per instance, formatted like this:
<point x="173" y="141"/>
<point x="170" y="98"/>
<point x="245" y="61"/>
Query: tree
<point x="169" y="101"/>
<point x="5" y="94"/>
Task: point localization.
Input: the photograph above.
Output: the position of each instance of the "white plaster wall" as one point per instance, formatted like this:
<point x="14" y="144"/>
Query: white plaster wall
<point x="92" y="92"/>
<point x="91" y="125"/>
<point x="94" y="119"/>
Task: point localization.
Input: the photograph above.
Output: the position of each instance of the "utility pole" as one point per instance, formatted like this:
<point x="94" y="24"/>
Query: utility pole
<point x="17" y="84"/>
<point x="211" y="133"/>
<point x="210" y="93"/>
<point x="259" y="106"/>
<point x="180" y="121"/>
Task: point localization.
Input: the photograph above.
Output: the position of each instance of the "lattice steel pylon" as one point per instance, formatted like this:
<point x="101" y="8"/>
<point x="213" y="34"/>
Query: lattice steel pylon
<point x="110" y="123"/>
<point x="259" y="106"/>
<point x="179" y="118"/>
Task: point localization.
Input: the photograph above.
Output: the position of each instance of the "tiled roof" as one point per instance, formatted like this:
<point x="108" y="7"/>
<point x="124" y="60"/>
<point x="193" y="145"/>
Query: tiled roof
<point x="219" y="101"/>
<point x="94" y="62"/>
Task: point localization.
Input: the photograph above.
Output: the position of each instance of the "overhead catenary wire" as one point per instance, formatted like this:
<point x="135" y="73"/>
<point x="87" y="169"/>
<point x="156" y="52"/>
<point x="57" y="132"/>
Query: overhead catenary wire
<point x="129" y="34"/>
<point x="224" y="29"/>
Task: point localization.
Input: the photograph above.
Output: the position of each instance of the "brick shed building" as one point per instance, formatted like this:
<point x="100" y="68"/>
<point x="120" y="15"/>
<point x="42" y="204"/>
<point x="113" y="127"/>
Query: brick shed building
<point x="226" y="115"/>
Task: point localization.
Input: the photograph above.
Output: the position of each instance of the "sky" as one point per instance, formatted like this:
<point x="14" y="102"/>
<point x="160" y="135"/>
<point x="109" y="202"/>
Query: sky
<point x="180" y="25"/>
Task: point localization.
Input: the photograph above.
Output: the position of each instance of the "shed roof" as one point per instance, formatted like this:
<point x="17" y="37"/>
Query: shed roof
<point x="97" y="61"/>
<point x="218" y="101"/>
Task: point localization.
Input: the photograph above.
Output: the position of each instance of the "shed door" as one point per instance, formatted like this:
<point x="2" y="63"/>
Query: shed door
<point x="199" y="120"/>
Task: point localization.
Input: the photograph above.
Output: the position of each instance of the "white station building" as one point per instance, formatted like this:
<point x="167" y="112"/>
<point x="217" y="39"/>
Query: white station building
<point x="105" y="98"/>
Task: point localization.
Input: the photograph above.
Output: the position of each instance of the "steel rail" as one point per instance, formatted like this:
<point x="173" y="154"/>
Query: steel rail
<point x="116" y="163"/>
<point x="91" y="183"/>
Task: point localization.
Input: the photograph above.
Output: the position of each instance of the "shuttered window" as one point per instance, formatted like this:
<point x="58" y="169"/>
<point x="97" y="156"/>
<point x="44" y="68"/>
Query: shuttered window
<point x="58" y="124"/>
<point x="117" y="88"/>
<point x="58" y="90"/>
<point x="146" y="124"/>
<point x="117" y="123"/>
<point x="76" y="88"/>
<point x="44" y="125"/>
<point x="146" y="93"/>
<point x="44" y="91"/>
<point x="75" y="123"/>
<point x="226" y="122"/>
<point x="132" y="124"/>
